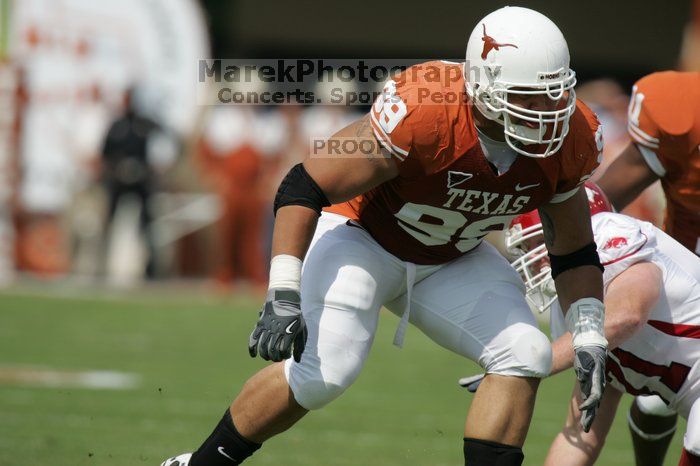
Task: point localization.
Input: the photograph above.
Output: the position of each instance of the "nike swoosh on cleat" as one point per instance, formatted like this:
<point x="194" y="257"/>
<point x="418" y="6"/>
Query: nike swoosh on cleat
<point x="221" y="450"/>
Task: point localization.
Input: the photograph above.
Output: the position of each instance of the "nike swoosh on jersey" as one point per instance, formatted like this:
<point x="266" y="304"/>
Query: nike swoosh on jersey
<point x="522" y="188"/>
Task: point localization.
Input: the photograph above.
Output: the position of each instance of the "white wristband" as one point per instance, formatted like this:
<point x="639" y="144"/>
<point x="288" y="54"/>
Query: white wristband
<point x="285" y="272"/>
<point x="586" y="321"/>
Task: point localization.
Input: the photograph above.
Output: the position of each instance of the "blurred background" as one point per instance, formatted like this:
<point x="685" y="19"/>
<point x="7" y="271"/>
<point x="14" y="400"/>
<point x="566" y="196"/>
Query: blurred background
<point x="113" y="172"/>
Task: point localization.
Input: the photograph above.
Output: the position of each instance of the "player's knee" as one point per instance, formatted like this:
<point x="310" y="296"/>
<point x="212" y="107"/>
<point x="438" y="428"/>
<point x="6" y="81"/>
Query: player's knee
<point x="315" y="394"/>
<point x="526" y="352"/>
<point x="534" y="352"/>
<point x="316" y="385"/>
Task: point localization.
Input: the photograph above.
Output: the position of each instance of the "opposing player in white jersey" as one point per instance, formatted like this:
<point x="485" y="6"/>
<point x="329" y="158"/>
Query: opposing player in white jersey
<point x="652" y="299"/>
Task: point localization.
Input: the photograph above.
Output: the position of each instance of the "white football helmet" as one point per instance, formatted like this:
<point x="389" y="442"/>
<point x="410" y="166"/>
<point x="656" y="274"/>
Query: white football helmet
<point x="525" y="243"/>
<point x="517" y="52"/>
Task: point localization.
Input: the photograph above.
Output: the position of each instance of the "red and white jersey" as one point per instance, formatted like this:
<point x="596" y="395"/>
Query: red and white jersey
<point x="664" y="122"/>
<point x="664" y="357"/>
<point x="446" y="197"/>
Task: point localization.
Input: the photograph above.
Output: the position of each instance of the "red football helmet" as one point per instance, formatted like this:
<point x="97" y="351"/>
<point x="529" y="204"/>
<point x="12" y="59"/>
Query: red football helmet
<point x="525" y="241"/>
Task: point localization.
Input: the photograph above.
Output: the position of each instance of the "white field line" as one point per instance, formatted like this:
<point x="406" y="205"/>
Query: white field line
<point x="52" y="378"/>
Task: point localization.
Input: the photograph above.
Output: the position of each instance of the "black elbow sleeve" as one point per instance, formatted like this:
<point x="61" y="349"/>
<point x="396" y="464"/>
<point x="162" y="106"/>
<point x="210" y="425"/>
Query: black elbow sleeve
<point x="587" y="255"/>
<point x="298" y="188"/>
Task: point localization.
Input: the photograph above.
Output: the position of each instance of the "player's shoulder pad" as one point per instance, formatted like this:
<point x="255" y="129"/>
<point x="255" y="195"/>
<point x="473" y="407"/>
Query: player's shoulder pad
<point x="621" y="240"/>
<point x="668" y="100"/>
<point x="420" y="110"/>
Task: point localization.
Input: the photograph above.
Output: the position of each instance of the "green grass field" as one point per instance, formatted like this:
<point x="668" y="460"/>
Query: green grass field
<point x="190" y="352"/>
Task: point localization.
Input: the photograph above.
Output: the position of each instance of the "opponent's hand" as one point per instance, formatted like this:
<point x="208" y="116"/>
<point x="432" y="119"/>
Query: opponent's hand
<point x="472" y="382"/>
<point x="280" y="326"/>
<point x="589" y="365"/>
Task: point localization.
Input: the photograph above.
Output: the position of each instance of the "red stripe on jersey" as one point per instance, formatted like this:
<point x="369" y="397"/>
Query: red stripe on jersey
<point x="614" y="369"/>
<point x="673" y="376"/>
<point x="629" y="253"/>
<point x="676" y="330"/>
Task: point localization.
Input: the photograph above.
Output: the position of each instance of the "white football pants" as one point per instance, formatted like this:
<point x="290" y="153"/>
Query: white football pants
<point x="473" y="306"/>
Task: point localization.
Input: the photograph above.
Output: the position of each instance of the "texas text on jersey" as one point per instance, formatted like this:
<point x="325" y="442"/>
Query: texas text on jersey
<point x="664" y="122"/>
<point x="447" y="197"/>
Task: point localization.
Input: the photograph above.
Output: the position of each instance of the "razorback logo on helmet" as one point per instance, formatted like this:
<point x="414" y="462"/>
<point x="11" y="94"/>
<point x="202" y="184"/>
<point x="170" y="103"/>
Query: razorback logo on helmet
<point x="615" y="243"/>
<point x="491" y="44"/>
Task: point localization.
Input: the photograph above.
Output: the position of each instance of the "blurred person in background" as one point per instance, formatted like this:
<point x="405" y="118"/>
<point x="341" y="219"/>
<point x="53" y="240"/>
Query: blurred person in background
<point x="293" y="148"/>
<point x="690" y="51"/>
<point x="238" y="152"/>
<point x="303" y="125"/>
<point x="335" y="112"/>
<point x="126" y="171"/>
<point x="86" y="213"/>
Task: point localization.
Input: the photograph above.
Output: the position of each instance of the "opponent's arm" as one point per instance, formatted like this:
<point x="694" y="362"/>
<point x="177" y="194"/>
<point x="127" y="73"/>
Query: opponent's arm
<point x="323" y="179"/>
<point x="628" y="301"/>
<point x="626" y="177"/>
<point x="574" y="447"/>
<point x="578" y="279"/>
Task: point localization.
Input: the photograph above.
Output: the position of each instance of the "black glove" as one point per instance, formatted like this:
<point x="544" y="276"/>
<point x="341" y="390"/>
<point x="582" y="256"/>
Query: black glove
<point x="280" y="325"/>
<point x="589" y="365"/>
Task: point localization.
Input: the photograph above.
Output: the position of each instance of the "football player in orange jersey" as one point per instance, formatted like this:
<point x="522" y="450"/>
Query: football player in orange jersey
<point x="664" y="124"/>
<point x="461" y="150"/>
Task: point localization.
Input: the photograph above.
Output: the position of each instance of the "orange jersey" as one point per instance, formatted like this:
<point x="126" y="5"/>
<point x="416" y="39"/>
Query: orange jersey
<point x="664" y="122"/>
<point x="446" y="197"/>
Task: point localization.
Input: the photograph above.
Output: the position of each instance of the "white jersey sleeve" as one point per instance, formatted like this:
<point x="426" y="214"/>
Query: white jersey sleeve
<point x="622" y="241"/>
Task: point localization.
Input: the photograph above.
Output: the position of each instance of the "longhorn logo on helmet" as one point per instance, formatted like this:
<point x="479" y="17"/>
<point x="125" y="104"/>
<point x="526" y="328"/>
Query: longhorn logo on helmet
<point x="491" y="44"/>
